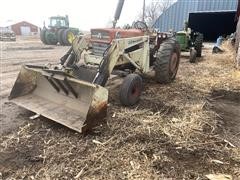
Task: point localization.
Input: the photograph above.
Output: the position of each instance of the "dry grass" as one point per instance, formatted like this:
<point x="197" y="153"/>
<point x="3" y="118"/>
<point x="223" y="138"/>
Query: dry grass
<point x="171" y="133"/>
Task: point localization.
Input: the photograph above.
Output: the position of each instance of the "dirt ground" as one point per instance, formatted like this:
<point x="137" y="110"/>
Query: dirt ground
<point x="13" y="55"/>
<point x="184" y="130"/>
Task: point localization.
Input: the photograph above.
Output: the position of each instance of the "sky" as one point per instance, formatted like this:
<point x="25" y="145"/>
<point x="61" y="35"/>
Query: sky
<point x="83" y="14"/>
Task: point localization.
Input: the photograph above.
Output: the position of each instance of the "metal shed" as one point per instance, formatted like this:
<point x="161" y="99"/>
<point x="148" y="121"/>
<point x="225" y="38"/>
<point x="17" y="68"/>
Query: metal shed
<point x="175" y="16"/>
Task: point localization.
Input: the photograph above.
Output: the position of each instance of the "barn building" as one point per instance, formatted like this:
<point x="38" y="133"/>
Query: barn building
<point x="210" y="17"/>
<point x="24" y="28"/>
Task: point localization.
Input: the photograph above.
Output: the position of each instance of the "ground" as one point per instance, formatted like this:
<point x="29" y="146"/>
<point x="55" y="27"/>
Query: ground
<point x="184" y="130"/>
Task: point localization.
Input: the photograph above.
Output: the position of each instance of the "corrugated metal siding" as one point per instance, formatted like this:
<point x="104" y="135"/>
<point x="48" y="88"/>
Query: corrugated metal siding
<point x="175" y="16"/>
<point x="214" y="5"/>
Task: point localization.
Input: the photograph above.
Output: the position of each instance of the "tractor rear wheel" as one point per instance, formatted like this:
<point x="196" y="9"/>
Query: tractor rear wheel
<point x="130" y="90"/>
<point x="167" y="61"/>
<point x="68" y="37"/>
<point x="198" y="44"/>
<point x="42" y="36"/>
<point x="59" y="36"/>
<point x="50" y="38"/>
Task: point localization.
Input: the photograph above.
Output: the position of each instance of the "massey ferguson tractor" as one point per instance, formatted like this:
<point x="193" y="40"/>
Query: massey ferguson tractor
<point x="58" y="31"/>
<point x="73" y="92"/>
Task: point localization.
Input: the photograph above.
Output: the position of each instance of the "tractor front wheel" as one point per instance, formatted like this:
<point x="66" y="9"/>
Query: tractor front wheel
<point x="130" y="90"/>
<point x="167" y="61"/>
<point x="193" y="56"/>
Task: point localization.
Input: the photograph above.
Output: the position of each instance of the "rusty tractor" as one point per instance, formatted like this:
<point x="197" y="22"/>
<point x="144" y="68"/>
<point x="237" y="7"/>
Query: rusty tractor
<point x="73" y="93"/>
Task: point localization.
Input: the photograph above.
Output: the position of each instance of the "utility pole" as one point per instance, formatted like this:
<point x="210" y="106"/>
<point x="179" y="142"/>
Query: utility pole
<point x="143" y="16"/>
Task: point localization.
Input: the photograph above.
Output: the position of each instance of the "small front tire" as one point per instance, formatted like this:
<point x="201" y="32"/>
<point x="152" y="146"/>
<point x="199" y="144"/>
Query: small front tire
<point x="130" y="90"/>
<point x="193" y="56"/>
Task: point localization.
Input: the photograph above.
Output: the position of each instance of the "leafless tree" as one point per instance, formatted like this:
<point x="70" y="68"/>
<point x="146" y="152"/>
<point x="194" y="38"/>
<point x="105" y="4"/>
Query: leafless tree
<point x="155" y="9"/>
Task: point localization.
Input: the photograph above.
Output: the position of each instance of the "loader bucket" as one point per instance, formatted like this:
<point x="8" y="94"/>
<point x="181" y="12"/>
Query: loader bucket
<point x="77" y="104"/>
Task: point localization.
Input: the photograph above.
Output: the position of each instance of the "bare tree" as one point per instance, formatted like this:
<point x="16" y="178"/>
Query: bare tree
<point x="155" y="9"/>
<point x="165" y="4"/>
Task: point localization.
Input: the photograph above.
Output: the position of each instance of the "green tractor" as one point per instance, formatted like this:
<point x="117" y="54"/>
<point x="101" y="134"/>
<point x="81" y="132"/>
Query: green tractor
<point x="192" y="42"/>
<point x="58" y="31"/>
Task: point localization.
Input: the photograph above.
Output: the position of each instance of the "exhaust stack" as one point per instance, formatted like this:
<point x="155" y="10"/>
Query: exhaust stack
<point x="118" y="12"/>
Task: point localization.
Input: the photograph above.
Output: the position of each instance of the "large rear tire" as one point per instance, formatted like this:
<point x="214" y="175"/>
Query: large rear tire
<point x="167" y="61"/>
<point x="59" y="36"/>
<point x="130" y="90"/>
<point x="50" y="38"/>
<point x="68" y="37"/>
<point x="198" y="44"/>
<point x="42" y="36"/>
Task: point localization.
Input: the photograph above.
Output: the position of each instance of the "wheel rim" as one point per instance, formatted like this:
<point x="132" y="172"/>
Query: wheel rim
<point x="135" y="91"/>
<point x="70" y="37"/>
<point x="174" y="64"/>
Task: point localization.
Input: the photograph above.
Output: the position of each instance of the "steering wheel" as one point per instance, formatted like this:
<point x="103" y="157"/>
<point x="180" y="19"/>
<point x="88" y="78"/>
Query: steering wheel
<point x="140" y="25"/>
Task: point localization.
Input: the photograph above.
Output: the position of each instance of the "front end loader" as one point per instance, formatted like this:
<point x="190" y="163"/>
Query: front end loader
<point x="73" y="91"/>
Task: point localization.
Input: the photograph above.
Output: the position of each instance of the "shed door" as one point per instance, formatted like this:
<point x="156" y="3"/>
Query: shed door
<point x="25" y="30"/>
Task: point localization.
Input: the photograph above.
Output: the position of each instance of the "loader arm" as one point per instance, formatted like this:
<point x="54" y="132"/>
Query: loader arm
<point x="130" y="50"/>
<point x="121" y="51"/>
<point x="80" y="44"/>
<point x="78" y="102"/>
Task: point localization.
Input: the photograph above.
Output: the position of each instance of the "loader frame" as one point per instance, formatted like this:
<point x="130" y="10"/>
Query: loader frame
<point x="72" y="92"/>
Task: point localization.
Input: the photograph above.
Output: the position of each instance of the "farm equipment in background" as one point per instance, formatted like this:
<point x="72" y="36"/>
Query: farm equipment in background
<point x="192" y="42"/>
<point x="58" y="31"/>
<point x="7" y="35"/>
<point x="73" y="91"/>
